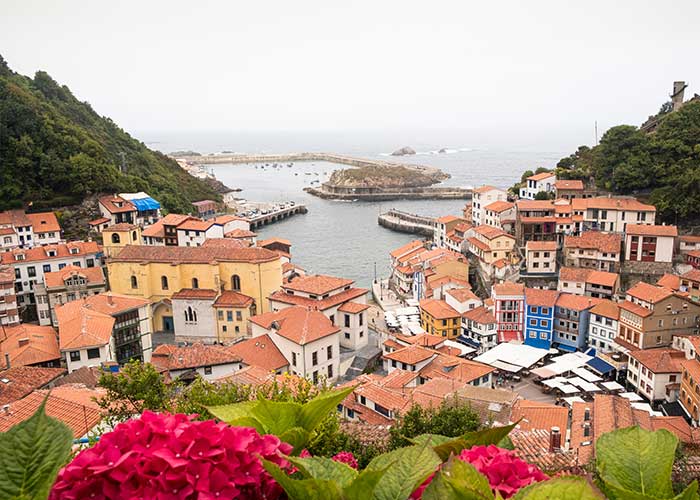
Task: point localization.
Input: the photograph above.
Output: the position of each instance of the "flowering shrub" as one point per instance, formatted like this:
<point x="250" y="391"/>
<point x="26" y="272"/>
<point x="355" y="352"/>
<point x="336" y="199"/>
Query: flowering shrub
<point x="345" y="457"/>
<point x="505" y="472"/>
<point x="172" y="456"/>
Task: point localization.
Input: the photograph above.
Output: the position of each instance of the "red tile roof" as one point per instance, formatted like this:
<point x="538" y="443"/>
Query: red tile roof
<point x="411" y="355"/>
<point x="660" y="360"/>
<point x="462" y="295"/>
<point x="169" y="357"/>
<point x="499" y="206"/>
<point x="408" y="247"/>
<point x="509" y="288"/>
<point x="455" y="368"/>
<point x="575" y="274"/>
<point x="298" y="324"/>
<point x="28" y="344"/>
<point x="44" y="222"/>
<point x="607" y="308"/>
<point x="649" y="293"/>
<point x="537" y="415"/>
<point x="603" y="242"/>
<point x="480" y="315"/>
<point x="80" y="327"/>
<point x="230" y="298"/>
<point x="205" y="254"/>
<point x="569" y="185"/>
<point x="446" y="219"/>
<point x="353" y="307"/>
<point x="535" y="205"/>
<point x="576" y="302"/>
<point x="62" y="250"/>
<point x="317" y="284"/>
<point x="195" y="294"/>
<point x="16" y="218"/>
<point x="537" y="297"/>
<point x="240" y="233"/>
<point x="321" y="305"/>
<point x="261" y="352"/>
<point x="612" y="203"/>
<point x="112" y="202"/>
<point x="19" y="381"/>
<point x="603" y="278"/>
<point x="490" y="232"/>
<point x="541" y="246"/>
<point x="541" y="176"/>
<point x="92" y="276"/>
<point x="485" y="188"/>
<point x="122" y="227"/>
<point x="99" y="222"/>
<point x="670" y="281"/>
<point x="438" y="309"/>
<point x="635" y="309"/>
<point x="651" y="230"/>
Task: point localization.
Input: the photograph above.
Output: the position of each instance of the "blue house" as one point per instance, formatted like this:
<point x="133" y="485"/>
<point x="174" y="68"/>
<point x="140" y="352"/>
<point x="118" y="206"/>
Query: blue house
<point x="571" y="317"/>
<point x="539" y="317"/>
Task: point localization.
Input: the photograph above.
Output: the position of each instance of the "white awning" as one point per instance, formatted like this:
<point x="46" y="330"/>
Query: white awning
<point x="551" y="383"/>
<point x="568" y="389"/>
<point x="632" y="396"/>
<point x="463" y="348"/>
<point x="573" y="399"/>
<point x="586" y="375"/>
<point x="612" y="386"/>
<point x="520" y="355"/>
<point x="502" y="365"/>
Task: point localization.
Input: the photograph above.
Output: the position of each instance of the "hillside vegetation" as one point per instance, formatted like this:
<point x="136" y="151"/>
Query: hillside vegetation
<point x="664" y="165"/>
<point x="56" y="151"/>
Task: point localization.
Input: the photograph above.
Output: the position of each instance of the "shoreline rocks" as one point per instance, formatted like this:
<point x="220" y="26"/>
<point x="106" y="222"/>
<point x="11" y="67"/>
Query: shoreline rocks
<point x="404" y="151"/>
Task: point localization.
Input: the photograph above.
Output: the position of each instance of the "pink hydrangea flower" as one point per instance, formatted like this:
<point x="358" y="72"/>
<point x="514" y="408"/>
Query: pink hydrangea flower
<point x="162" y="456"/>
<point x="347" y="458"/>
<point x="505" y="472"/>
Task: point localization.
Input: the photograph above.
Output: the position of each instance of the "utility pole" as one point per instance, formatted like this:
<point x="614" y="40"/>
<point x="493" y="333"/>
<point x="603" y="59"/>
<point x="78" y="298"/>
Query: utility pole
<point x="596" y="132"/>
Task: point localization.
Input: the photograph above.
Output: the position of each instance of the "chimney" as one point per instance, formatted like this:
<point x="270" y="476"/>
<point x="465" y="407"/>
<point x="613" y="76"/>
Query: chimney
<point x="555" y="440"/>
<point x="7" y="360"/>
<point x="22" y="342"/>
<point x="110" y="299"/>
<point x="587" y="415"/>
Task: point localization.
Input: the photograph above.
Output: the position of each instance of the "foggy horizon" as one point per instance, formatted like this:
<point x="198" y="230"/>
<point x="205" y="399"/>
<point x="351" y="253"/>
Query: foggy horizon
<point x="514" y="75"/>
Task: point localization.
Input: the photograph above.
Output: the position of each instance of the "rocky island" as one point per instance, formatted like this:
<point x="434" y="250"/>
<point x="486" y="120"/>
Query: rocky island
<point x="404" y="151"/>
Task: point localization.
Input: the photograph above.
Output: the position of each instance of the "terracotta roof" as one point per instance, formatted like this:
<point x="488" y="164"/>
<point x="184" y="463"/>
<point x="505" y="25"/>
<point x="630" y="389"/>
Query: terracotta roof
<point x="230" y="298"/>
<point x="445" y="219"/>
<point x="249" y="375"/>
<point x="110" y="202"/>
<point x="575" y="274"/>
<point x="462" y="295"/>
<point x="261" y="352"/>
<point x="274" y="239"/>
<point x="533" y="447"/>
<point x="7" y="274"/>
<point x="535" y="205"/>
<point x="98" y="222"/>
<point x="485" y="188"/>
<point x="157" y="229"/>
<point x="113" y="303"/>
<point x="204" y="254"/>
<point x="92" y="275"/>
<point x="491" y="232"/>
<point x="62" y="250"/>
<point x="44" y="222"/>
<point x="398" y="379"/>
<point x="692" y="275"/>
<point x="479" y="244"/>
<point x="670" y="281"/>
<point x="195" y="294"/>
<point x="651" y="230"/>
<point x="80" y="327"/>
<point x="603" y="242"/>
<point x="690" y="238"/>
<point x="569" y="185"/>
<point x="509" y="288"/>
<point x="649" y="293"/>
<point x="635" y="308"/>
<point x="7" y="230"/>
<point x="390" y="399"/>
<point x="321" y="305"/>
<point x="408" y="247"/>
<point x="607" y="308"/>
<point x="422" y="339"/>
<point x="576" y="302"/>
<point x="537" y="297"/>
<point x="28" y="344"/>
<point x="613" y="203"/>
<point x="353" y="307"/>
<point x="660" y="360"/>
<point x="240" y="233"/>
<point x="193" y="224"/>
<point x="411" y="355"/>
<point x="541" y="246"/>
<point x="603" y="278"/>
<point x="19" y="381"/>
<point x="538" y="415"/>
<point x="122" y="227"/>
<point x="298" y="324"/>
<point x="481" y="315"/>
<point x="89" y="376"/>
<point x="540" y="176"/>
<point x="463" y="227"/>
<point x="317" y="284"/>
<point x="455" y="368"/>
<point x="71" y="406"/>
<point x="438" y="309"/>
<point x="167" y="357"/>
<point x="16" y="218"/>
<point x="692" y="366"/>
<point x="499" y="206"/>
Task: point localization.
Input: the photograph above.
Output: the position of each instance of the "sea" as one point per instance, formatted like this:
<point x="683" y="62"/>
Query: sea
<point x="343" y="238"/>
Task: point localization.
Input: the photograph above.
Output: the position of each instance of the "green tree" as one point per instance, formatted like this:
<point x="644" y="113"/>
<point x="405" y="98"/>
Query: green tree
<point x="544" y="195"/>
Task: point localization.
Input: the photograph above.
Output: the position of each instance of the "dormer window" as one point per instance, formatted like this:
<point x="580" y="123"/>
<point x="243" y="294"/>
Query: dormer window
<point x="19" y="256"/>
<point x="74" y="251"/>
<point x="51" y="253"/>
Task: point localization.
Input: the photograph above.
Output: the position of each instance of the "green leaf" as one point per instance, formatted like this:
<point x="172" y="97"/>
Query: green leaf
<point x="248" y="422"/>
<point x="231" y="412"/>
<point x="615" y="493"/>
<point x="364" y="485"/>
<point x="458" y="480"/>
<point x="492" y="435"/>
<point x="277" y="416"/>
<point x="430" y="439"/>
<point x="32" y="453"/>
<point x="304" y="489"/>
<point x="316" y="410"/>
<point x="561" y="488"/>
<point x="637" y="461"/>
<point x="297" y="437"/>
<point x="407" y="469"/>
<point x="325" y="469"/>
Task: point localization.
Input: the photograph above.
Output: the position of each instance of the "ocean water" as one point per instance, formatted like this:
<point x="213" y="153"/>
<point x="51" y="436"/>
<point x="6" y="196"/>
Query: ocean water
<point x="343" y="238"/>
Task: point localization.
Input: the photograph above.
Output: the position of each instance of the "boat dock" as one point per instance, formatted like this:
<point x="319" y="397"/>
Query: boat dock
<point x="262" y="214"/>
<point x="403" y="222"/>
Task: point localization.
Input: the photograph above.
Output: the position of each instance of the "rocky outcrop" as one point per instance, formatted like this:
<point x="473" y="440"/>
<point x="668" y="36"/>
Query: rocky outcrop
<point x="382" y="177"/>
<point x="442" y="150"/>
<point x="404" y="151"/>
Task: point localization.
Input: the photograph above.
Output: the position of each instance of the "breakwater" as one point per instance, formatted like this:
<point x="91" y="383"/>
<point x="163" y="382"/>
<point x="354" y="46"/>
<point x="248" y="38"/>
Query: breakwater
<point x="404" y="222"/>
<point x="331" y="192"/>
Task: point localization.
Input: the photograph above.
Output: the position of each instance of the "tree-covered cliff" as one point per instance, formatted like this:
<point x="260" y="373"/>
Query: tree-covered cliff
<point x="56" y="150"/>
<point x="664" y="164"/>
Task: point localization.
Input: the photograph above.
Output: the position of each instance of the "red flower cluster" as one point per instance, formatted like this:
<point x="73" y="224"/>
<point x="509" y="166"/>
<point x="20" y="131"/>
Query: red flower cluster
<point x="347" y="458"/>
<point x="162" y="456"/>
<point x="505" y="471"/>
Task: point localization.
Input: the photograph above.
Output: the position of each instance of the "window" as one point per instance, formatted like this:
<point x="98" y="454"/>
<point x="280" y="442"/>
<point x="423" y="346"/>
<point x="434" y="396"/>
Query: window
<point x="90" y="262"/>
<point x="47" y="268"/>
<point x="207" y="370"/>
<point x="134" y="282"/>
<point x="315" y="377"/>
<point x="294" y="359"/>
<point x="190" y="315"/>
<point x="221" y="314"/>
<point x="18" y="273"/>
<point x="75" y="355"/>
<point x="195" y="283"/>
<point x="347" y="336"/>
<point x="314" y="358"/>
<point x="93" y="353"/>
<point x="164" y="282"/>
<point x="229" y="315"/>
<point x="329" y="352"/>
<point x="31" y="271"/>
<point x="239" y="316"/>
<point x="330" y="371"/>
<point x="235" y="282"/>
<point x="533" y="322"/>
<point x="533" y="310"/>
<point x="361" y="318"/>
<point x="545" y="310"/>
<point x="332" y="318"/>
<point x="347" y="321"/>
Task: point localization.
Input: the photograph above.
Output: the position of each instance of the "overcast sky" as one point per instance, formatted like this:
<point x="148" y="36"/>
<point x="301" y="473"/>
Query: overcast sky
<point x="546" y="70"/>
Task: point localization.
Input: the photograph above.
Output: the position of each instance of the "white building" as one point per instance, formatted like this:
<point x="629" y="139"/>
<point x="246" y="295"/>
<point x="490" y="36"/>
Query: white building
<point x="483" y="196"/>
<point x="210" y="362"/>
<point x="462" y="299"/>
<point x="306" y="338"/>
<point x="613" y="214"/>
<point x="650" y="243"/>
<point x="479" y="329"/>
<point x="194" y="232"/>
<point x="543" y="182"/>
<point x="337" y="298"/>
<point x="500" y="214"/>
<point x="20" y="229"/>
<point x="604" y="326"/>
<point x="193" y="315"/>
<point x="9" y="315"/>
<point x="656" y="373"/>
<point x="541" y="257"/>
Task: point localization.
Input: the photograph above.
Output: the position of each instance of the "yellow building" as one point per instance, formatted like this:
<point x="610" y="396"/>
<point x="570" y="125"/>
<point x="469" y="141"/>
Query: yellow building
<point x="233" y="310"/>
<point x="117" y="236"/>
<point x="437" y="317"/>
<point x="156" y="273"/>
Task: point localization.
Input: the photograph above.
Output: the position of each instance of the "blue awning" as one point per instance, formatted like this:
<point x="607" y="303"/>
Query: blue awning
<point x="144" y="204"/>
<point x="468" y="341"/>
<point x="590" y="351"/>
<point x="600" y="366"/>
<point x="565" y="347"/>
